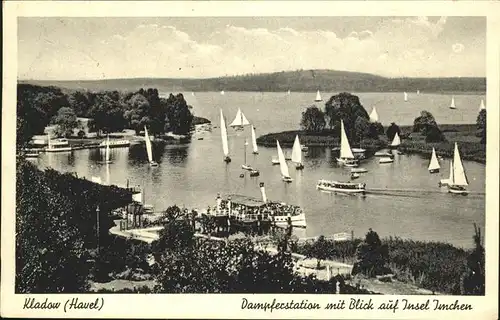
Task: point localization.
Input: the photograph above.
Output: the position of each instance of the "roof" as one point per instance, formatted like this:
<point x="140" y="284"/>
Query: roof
<point x="247" y="201"/>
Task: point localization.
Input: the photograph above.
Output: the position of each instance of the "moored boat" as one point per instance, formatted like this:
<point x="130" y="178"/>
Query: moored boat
<point x="358" y="170"/>
<point x="434" y="163"/>
<point x="405" y="96"/>
<point x="115" y="143"/>
<point x="58" y="145"/>
<point x="383" y="154"/>
<point x="275" y="161"/>
<point x="355" y="175"/>
<point x="386" y="160"/>
<point x="341" y="186"/>
<point x="304" y="148"/>
<point x="254" y="173"/>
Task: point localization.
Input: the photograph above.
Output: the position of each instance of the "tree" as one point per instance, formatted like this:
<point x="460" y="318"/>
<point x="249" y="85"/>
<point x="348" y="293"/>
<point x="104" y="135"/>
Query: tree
<point x="473" y="280"/>
<point x="107" y="113"/>
<point x="49" y="249"/>
<point x="347" y="107"/>
<point x="371" y="256"/>
<point x="313" y="119"/>
<point x="427" y="126"/>
<point x="481" y="125"/>
<point x="424" y="122"/>
<point x="434" y="135"/>
<point x="392" y="130"/>
<point x="321" y="250"/>
<point x="66" y="121"/>
<point x="178" y="117"/>
<point x="376" y="129"/>
<point x="361" y="129"/>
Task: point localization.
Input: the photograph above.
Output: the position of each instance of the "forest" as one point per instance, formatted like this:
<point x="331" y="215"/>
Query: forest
<point x="111" y="111"/>
<point x="296" y="81"/>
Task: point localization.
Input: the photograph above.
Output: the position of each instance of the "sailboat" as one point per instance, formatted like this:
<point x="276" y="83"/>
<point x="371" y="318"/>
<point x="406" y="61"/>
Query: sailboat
<point x="288" y="92"/>
<point x="318" y="97"/>
<point x="254" y="142"/>
<point x="445" y="182"/>
<point x="482" y="106"/>
<point x="223" y="133"/>
<point x="434" y="164"/>
<point x="396" y="141"/>
<point x="283" y="166"/>
<point x="297" y="154"/>
<point x="452" y="105"/>
<point x="374" y="115"/>
<point x="222" y="92"/>
<point x="239" y="121"/>
<point x="253" y="172"/>
<point x="405" y="96"/>
<point x="346" y="156"/>
<point x="149" y="149"/>
<point x="418" y="91"/>
<point x="459" y="180"/>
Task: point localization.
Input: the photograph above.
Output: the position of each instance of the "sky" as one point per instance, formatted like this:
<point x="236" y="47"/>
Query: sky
<point x="204" y="47"/>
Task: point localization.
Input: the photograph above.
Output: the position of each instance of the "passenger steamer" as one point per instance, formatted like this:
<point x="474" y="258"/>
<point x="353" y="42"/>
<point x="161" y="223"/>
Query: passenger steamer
<point x="340" y="186"/>
<point x="249" y="212"/>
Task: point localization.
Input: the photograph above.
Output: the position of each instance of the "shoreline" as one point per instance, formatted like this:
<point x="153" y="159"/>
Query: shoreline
<point x="414" y="144"/>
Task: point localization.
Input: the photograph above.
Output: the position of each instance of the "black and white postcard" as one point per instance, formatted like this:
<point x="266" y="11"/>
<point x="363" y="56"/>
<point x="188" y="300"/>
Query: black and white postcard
<point x="250" y="159"/>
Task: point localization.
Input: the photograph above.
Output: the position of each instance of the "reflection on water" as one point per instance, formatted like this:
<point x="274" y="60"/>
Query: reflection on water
<point x="404" y="200"/>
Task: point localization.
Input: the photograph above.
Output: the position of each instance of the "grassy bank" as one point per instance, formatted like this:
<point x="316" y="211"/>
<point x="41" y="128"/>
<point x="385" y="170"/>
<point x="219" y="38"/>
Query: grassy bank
<point x="434" y="266"/>
<point x="463" y="134"/>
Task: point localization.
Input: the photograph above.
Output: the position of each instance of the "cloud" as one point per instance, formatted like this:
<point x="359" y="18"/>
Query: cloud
<point x="395" y="47"/>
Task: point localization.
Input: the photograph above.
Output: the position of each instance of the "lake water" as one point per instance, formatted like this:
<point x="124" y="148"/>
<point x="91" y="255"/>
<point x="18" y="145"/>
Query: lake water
<point x="403" y="199"/>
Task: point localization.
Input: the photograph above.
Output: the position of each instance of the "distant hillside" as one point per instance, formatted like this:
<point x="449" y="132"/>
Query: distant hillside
<point x="301" y="80"/>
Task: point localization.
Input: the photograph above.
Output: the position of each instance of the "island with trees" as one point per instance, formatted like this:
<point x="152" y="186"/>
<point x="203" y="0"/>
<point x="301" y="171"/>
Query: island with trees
<point x="108" y="112"/>
<point x="321" y="128"/>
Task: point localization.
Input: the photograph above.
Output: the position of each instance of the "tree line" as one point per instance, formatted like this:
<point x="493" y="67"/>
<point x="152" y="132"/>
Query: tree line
<point x="111" y="111"/>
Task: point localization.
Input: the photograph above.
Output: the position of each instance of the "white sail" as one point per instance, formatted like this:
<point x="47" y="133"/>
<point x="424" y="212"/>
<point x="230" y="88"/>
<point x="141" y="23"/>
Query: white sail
<point x="107" y="150"/>
<point x="418" y="91"/>
<point x="239" y="120"/>
<point x="345" y="148"/>
<point x="223" y="133"/>
<point x="254" y="141"/>
<point x="288" y="92"/>
<point x="396" y="141"/>
<point x="482" y="106"/>
<point x="222" y="92"/>
<point x="281" y="157"/>
<point x="459" y="177"/>
<point x="374" y="115"/>
<point x="48" y="141"/>
<point x="452" y="105"/>
<point x="149" y="148"/>
<point x="434" y="164"/>
<point x="406" y="96"/>
<point x="297" y="151"/>
<point x="318" y="96"/>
